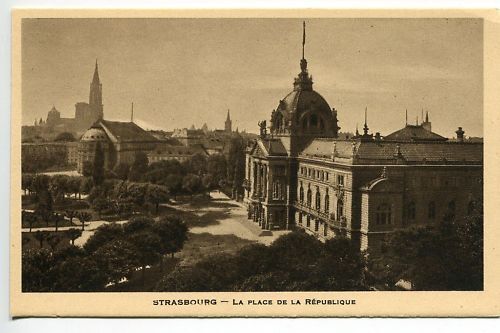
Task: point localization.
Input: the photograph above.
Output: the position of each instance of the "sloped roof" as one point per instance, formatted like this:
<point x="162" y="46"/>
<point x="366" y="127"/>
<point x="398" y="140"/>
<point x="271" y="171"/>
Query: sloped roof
<point x="273" y="147"/>
<point x="127" y="131"/>
<point x="373" y="152"/>
<point x="414" y="133"/>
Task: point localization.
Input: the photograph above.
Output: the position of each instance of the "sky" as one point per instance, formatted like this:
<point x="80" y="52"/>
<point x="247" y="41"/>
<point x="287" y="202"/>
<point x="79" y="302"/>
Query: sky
<point x="180" y="72"/>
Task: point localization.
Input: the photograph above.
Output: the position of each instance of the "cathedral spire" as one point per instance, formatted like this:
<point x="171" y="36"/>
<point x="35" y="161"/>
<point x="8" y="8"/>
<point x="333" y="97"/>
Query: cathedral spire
<point x="228" y="123"/>
<point x="95" y="79"/>
<point x="95" y="96"/>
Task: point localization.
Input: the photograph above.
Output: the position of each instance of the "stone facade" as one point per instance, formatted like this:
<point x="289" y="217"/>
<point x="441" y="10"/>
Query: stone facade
<point x="301" y="175"/>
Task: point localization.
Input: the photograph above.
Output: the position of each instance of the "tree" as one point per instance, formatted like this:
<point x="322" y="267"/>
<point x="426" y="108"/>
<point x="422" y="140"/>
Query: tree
<point x="75" y="271"/>
<point x="139" y="166"/>
<point x="73" y="234"/>
<point x="174" y="184"/>
<point x="40" y="183"/>
<point x="65" y="137"/>
<point x="236" y="164"/>
<point x="147" y="249"/>
<point x="207" y="182"/>
<point x="116" y="259"/>
<point x="70" y="214"/>
<point x="121" y="170"/>
<point x="29" y="217"/>
<point x="84" y="217"/>
<point x="73" y="185"/>
<point x="448" y="256"/>
<point x="36" y="270"/>
<point x="99" y="204"/>
<point x="173" y="233"/>
<point x="156" y="194"/>
<point x="53" y="240"/>
<point x="106" y="233"/>
<point x="197" y="164"/>
<point x="85" y="185"/>
<point x="26" y="181"/>
<point x="191" y="184"/>
<point x="87" y="168"/>
<point x="217" y="168"/>
<point x="57" y="218"/>
<point x="41" y="236"/>
<point x="98" y="165"/>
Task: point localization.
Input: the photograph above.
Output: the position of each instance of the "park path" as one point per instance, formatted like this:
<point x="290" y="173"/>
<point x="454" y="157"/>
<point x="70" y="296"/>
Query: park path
<point x="236" y="223"/>
<point x="90" y="228"/>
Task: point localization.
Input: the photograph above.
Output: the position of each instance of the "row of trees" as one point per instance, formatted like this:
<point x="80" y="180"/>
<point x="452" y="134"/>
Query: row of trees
<point x="294" y="262"/>
<point x="123" y="197"/>
<point x="113" y="253"/>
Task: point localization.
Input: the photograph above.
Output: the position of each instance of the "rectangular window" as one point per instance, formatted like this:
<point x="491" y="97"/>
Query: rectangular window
<point x="340" y="179"/>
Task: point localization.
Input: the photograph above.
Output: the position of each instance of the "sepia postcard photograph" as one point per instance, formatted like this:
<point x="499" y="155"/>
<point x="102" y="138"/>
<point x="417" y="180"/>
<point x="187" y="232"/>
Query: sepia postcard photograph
<point x="254" y="163"/>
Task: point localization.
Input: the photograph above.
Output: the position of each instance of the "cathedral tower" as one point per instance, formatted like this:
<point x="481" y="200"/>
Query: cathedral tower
<point x="95" y="97"/>
<point x="228" y="123"/>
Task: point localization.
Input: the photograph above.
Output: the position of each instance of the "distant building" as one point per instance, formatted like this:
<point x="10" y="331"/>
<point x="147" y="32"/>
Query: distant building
<point x="40" y="149"/>
<point x="228" y="123"/>
<point x="120" y="141"/>
<point x="302" y="175"/>
<point x="167" y="152"/>
<point x="85" y="114"/>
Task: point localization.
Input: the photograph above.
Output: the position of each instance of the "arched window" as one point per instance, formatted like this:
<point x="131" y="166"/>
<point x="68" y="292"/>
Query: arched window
<point x="411" y="211"/>
<point x="304" y="124"/>
<point x="279" y="121"/>
<point x="327" y="203"/>
<point x="431" y="211"/>
<point x="340" y="208"/>
<point x="471" y="207"/>
<point x="300" y="218"/>
<point x="309" y="197"/>
<point x="313" y="120"/>
<point x="325" y="229"/>
<point x="316" y="225"/>
<point x="383" y="214"/>
<point x="318" y="200"/>
<point x="308" y="221"/>
<point x="301" y="194"/>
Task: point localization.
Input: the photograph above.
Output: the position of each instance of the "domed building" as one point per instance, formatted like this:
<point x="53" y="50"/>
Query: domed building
<point x="119" y="141"/>
<point x="301" y="175"/>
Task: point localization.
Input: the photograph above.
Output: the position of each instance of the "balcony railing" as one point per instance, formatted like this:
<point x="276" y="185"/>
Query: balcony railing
<point x="327" y="217"/>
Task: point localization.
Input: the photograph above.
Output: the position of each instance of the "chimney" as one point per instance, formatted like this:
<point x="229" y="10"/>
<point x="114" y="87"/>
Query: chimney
<point x="377" y="136"/>
<point x="460" y="134"/>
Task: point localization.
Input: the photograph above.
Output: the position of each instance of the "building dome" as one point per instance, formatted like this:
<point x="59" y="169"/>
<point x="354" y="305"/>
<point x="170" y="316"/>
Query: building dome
<point x="54" y="111"/>
<point x="94" y="134"/>
<point x="304" y="111"/>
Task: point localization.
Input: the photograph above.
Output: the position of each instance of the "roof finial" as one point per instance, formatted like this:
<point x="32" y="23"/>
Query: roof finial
<point x="426" y="116"/>
<point x="422" y="113"/>
<point x="365" y="128"/>
<point x="406" y="119"/>
<point x="416" y="121"/>
<point x="132" y="113"/>
<point x="303" y="37"/>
